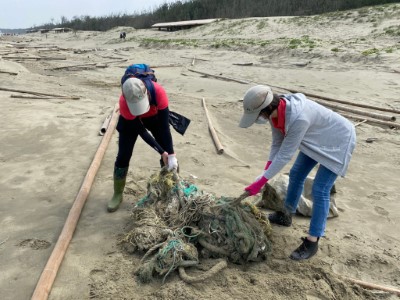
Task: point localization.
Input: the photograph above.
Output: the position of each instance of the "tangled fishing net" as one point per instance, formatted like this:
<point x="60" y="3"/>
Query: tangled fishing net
<point x="176" y="225"/>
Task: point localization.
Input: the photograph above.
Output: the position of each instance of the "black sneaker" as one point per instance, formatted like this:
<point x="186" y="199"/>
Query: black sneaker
<point x="306" y="250"/>
<point x="280" y="218"/>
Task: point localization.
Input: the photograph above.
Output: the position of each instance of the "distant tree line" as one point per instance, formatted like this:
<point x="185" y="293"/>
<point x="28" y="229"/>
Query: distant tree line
<point x="206" y="9"/>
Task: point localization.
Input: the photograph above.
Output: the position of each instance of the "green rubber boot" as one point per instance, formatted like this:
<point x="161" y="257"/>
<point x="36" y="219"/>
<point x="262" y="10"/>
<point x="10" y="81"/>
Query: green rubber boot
<point x="119" y="185"/>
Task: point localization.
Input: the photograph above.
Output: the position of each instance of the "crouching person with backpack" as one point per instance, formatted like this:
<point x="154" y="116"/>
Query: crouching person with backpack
<point x="142" y="109"/>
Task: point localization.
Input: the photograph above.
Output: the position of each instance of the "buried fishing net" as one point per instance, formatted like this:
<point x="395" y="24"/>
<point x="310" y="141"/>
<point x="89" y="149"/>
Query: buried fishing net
<point x="176" y="225"/>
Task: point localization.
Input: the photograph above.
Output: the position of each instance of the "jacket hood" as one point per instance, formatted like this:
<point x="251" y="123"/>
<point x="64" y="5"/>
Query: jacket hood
<point x="296" y="103"/>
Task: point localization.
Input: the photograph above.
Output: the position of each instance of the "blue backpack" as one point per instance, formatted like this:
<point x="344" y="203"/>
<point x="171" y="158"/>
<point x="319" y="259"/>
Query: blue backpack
<point x="144" y="73"/>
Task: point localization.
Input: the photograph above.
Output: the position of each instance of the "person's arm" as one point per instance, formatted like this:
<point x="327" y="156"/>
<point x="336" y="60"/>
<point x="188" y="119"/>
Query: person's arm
<point x="277" y="139"/>
<point x="147" y="137"/>
<point x="288" y="148"/>
<point x="286" y="151"/>
<point x="165" y="131"/>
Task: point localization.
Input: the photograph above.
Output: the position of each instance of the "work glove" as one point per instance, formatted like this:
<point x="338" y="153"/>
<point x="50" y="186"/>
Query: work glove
<point x="172" y="162"/>
<point x="256" y="186"/>
<point x="265" y="168"/>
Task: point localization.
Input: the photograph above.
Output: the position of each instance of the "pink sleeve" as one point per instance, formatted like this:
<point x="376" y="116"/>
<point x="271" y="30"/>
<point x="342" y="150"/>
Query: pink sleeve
<point x="162" y="98"/>
<point x="124" y="110"/>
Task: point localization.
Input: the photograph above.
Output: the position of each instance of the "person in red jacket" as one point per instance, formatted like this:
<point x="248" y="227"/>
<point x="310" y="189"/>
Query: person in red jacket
<point x="139" y="115"/>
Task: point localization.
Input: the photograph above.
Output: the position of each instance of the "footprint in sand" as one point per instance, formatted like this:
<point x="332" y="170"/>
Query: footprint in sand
<point x="381" y="211"/>
<point x="34" y="244"/>
<point x="377" y="195"/>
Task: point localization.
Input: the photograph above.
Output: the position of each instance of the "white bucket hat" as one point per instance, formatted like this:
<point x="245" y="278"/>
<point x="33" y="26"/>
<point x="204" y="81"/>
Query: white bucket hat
<point x="256" y="98"/>
<point x="136" y="97"/>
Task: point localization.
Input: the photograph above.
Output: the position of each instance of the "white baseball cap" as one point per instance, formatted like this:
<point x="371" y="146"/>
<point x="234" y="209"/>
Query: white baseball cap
<point x="255" y="99"/>
<point x="136" y="97"/>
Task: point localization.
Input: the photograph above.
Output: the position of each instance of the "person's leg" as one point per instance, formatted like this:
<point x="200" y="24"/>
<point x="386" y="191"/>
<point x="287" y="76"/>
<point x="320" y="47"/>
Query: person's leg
<point x="126" y="142"/>
<point x="297" y="176"/>
<point x="323" y="183"/>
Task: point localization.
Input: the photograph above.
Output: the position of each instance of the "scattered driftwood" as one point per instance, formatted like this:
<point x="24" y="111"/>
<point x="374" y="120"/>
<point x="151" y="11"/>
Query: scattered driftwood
<point x="292" y="90"/>
<point x="370" y="120"/>
<point x="243" y="64"/>
<point x="196" y="58"/>
<point x="44" y="97"/>
<point x="96" y="65"/>
<point x="49" y="273"/>
<point x="34" y="57"/>
<point x="359" y="123"/>
<point x="372" y="286"/>
<point x="105" y="125"/>
<point x="166" y="66"/>
<point x="72" y="66"/>
<point x="397" y="111"/>
<point x="8" y="72"/>
<point x="356" y="111"/>
<point x="218" y="145"/>
<point x="220" y="77"/>
<point x="35" y="93"/>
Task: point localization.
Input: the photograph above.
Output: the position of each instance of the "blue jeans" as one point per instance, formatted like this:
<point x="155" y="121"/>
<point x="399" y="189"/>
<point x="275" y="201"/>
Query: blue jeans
<point x="321" y="188"/>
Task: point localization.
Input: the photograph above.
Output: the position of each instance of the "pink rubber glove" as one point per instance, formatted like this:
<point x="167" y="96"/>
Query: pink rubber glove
<point x="267" y="165"/>
<point x="256" y="186"/>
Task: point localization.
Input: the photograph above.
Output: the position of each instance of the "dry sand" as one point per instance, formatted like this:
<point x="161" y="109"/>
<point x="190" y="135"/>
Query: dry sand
<point x="47" y="147"/>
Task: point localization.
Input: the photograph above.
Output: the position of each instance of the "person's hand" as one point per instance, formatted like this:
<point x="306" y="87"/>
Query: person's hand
<point x="256" y="186"/>
<point x="164" y="157"/>
<point x="172" y="162"/>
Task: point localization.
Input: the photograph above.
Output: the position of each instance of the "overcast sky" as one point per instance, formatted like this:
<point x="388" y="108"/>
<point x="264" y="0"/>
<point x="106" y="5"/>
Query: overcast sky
<point x="27" y="13"/>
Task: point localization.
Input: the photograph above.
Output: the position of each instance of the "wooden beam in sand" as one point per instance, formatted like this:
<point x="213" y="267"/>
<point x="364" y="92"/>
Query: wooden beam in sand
<point x="49" y="273"/>
<point x="72" y="66"/>
<point x="34" y="93"/>
<point x="356" y="111"/>
<point x="202" y="59"/>
<point x="292" y="90"/>
<point x="34" y="57"/>
<point x="370" y="120"/>
<point x="373" y="286"/>
<point x="44" y="97"/>
<point x="98" y="64"/>
<point x="218" y="145"/>
<point x="220" y="77"/>
<point x="8" y="72"/>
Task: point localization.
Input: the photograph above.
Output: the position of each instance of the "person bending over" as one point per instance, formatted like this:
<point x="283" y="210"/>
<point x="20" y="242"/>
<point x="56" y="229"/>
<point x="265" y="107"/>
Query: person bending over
<point x="137" y="117"/>
<point x="322" y="137"/>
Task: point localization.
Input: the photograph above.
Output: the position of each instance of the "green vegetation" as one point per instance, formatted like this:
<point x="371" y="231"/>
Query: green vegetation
<point x="303" y="42"/>
<point x="230" y="43"/>
<point x="392" y="30"/>
<point x="335" y="50"/>
<point x="261" y="25"/>
<point x="370" y="52"/>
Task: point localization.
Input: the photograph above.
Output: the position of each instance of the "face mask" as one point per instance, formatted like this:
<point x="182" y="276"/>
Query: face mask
<point x="261" y="120"/>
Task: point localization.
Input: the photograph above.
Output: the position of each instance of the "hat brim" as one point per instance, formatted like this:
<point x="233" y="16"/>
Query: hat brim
<point x="248" y="119"/>
<point x="139" y="108"/>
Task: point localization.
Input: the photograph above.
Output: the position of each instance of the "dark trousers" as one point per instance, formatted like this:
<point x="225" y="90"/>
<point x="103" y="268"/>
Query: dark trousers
<point x="128" y="135"/>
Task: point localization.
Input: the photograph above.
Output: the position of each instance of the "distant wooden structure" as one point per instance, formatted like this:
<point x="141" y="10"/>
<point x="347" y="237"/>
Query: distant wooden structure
<point x="44" y="30"/>
<point x="32" y="30"/>
<point x="62" y="29"/>
<point x="172" y="26"/>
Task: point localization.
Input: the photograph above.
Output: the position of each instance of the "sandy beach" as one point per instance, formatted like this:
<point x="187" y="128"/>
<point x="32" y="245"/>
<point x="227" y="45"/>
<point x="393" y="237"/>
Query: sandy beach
<point x="47" y="146"/>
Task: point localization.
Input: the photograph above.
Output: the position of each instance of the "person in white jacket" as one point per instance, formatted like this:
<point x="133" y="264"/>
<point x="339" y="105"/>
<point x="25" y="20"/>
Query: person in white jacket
<point x="322" y="137"/>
